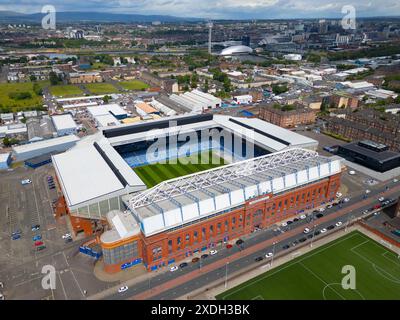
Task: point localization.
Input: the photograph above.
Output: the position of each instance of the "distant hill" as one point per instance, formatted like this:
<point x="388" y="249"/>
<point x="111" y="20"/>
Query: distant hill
<point x="15" y="17"/>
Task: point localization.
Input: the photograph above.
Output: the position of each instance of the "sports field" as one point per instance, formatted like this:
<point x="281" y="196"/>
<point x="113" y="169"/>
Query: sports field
<point x="318" y="274"/>
<point x="65" y="90"/>
<point x="101" y="88"/>
<point x="153" y="174"/>
<point x="134" y="85"/>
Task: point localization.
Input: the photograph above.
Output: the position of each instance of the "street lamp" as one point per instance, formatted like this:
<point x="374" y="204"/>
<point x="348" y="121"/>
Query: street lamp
<point x="226" y="274"/>
<point x="312" y="239"/>
<point x="273" y="254"/>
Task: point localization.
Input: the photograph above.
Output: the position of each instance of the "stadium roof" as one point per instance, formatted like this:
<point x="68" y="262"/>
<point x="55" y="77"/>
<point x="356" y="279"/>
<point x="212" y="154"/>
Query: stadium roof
<point x="179" y="201"/>
<point x="236" y="50"/>
<point x="87" y="174"/>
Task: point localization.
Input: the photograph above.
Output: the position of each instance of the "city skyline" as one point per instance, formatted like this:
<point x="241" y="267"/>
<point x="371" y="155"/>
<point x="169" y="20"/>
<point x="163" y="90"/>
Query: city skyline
<point x="222" y="9"/>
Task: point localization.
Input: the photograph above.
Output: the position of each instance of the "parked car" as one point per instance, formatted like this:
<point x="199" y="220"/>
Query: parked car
<point x="196" y="259"/>
<point x="26" y="181"/>
<point x="239" y="242"/>
<point x="37" y="237"/>
<point x="330" y="227"/>
<point x="284" y="224"/>
<point x="303" y="216"/>
<point x="123" y="289"/>
<point x="35" y="227"/>
<point x="40" y="248"/>
<point x="16" y="237"/>
<point x="66" y="236"/>
<point x="269" y="255"/>
<point x="381" y="199"/>
<point x="212" y="252"/>
<point x="16" y="232"/>
<point x="285" y="247"/>
<point x="302" y="239"/>
<point x="323" y="230"/>
<point x="68" y="240"/>
<point x="306" y="230"/>
<point x="319" y="215"/>
<point x="258" y="259"/>
<point x="228" y="246"/>
<point x="204" y="256"/>
<point x="183" y="265"/>
<point x="174" y="268"/>
<point x="338" y="194"/>
<point x="38" y="243"/>
<point x="346" y="199"/>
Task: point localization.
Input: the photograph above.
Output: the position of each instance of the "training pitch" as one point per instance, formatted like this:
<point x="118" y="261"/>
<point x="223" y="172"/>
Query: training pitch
<point x="318" y="275"/>
<point x="153" y="174"/>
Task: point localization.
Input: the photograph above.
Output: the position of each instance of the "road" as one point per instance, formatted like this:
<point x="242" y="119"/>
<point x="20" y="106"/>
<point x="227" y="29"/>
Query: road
<point x="171" y="285"/>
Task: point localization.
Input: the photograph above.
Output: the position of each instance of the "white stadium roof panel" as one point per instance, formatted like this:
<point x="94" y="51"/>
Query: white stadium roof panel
<point x="216" y="189"/>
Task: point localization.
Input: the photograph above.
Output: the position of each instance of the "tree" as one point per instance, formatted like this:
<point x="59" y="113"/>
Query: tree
<point x="54" y="79"/>
<point x="32" y="78"/>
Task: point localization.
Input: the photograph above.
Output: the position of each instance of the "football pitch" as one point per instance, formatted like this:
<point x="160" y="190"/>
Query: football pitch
<point x="153" y="174"/>
<point x="318" y="275"/>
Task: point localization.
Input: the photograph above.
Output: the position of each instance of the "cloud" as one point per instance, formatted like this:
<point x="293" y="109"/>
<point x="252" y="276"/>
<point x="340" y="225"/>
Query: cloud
<point x="215" y="9"/>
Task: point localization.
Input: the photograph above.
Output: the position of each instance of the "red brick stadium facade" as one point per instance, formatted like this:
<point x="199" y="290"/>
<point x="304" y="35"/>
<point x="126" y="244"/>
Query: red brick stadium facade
<point x="174" y="245"/>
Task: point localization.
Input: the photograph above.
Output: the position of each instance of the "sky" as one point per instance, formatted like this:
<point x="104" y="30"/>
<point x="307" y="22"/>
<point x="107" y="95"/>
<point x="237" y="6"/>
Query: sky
<point x="216" y="9"/>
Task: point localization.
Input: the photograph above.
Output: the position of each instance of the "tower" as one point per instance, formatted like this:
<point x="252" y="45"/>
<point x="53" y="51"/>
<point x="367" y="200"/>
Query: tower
<point x="210" y="26"/>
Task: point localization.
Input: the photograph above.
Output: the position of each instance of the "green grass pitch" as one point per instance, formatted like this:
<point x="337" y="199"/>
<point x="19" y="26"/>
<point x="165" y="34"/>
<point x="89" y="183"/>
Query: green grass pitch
<point x="153" y="174"/>
<point x="317" y="275"/>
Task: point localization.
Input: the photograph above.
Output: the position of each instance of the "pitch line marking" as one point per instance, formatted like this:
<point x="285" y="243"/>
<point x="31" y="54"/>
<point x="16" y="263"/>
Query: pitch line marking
<point x="292" y="263"/>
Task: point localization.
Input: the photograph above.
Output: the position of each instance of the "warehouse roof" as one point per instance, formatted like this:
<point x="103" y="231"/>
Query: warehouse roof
<point x="45" y="144"/>
<point x="63" y="122"/>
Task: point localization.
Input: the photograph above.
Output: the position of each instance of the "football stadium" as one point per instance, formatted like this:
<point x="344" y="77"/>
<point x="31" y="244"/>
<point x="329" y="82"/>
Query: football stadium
<point x="173" y="187"/>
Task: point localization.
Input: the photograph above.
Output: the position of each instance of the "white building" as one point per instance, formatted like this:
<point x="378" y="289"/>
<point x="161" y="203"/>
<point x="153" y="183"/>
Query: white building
<point x="35" y="149"/>
<point x="243" y="99"/>
<point x="197" y="101"/>
<point x="5" y="160"/>
<point x="64" y="124"/>
<point x="293" y="57"/>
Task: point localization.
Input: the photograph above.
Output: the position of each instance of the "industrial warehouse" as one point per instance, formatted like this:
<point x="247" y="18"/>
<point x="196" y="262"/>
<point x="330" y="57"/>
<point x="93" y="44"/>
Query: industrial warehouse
<point x="158" y="223"/>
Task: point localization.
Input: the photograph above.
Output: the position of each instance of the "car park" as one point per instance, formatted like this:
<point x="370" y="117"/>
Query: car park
<point x="258" y="259"/>
<point x="123" y="289"/>
<point x="183" y="265"/>
<point x="213" y="252"/>
<point x="306" y="230"/>
<point x="174" y="268"/>
<point x="323" y="230"/>
<point x="269" y="255"/>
